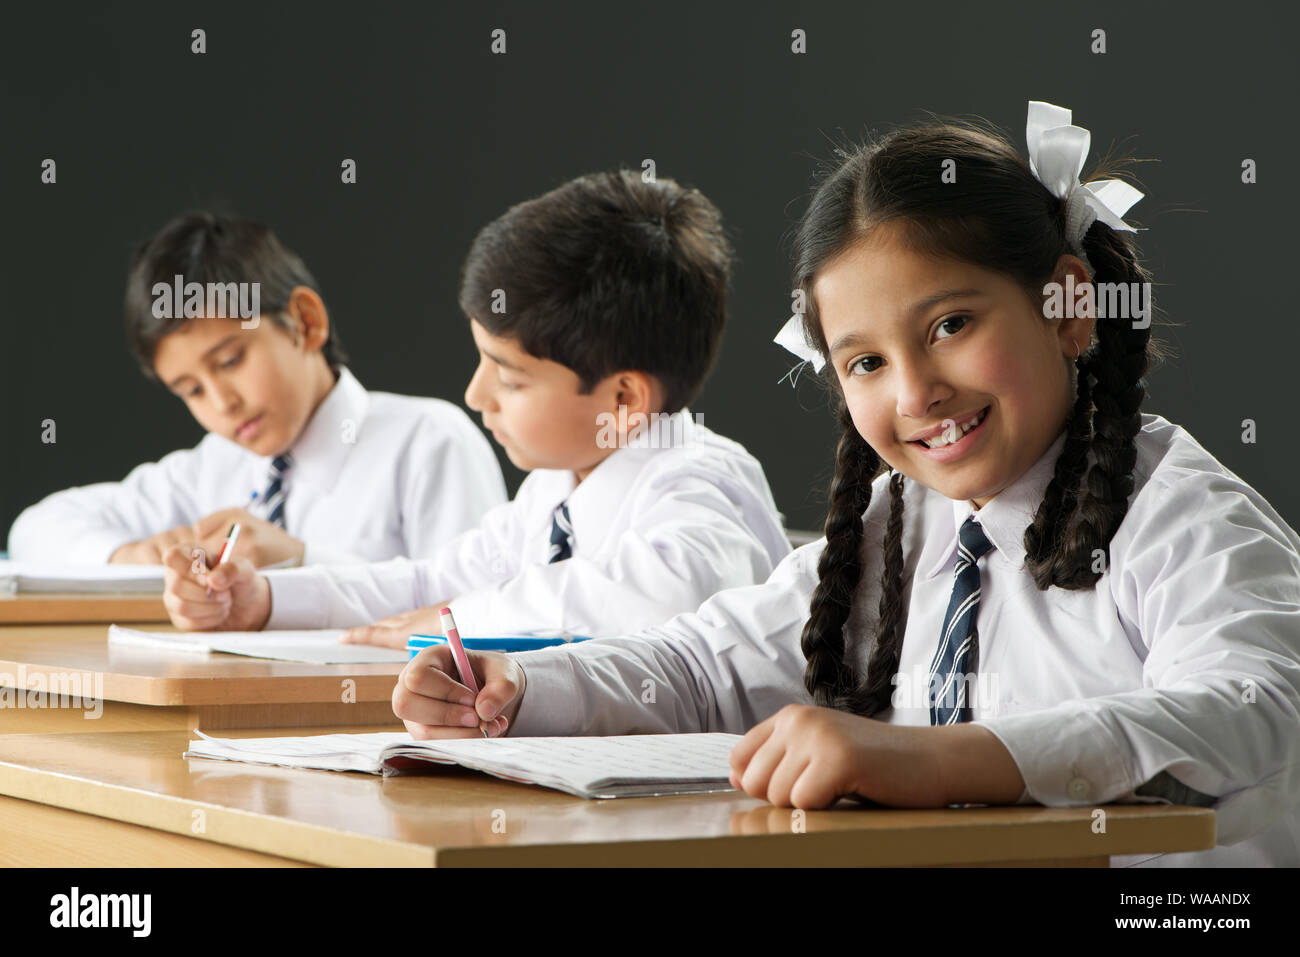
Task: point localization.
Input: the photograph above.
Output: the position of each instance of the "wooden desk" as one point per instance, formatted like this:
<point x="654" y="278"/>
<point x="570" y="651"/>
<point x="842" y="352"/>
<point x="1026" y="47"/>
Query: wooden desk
<point x="136" y="689"/>
<point x="131" y="799"/>
<point x="63" y="609"/>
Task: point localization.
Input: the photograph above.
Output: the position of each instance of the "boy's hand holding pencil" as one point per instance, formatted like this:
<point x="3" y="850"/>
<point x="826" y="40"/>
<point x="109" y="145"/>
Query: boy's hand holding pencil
<point x="229" y="597"/>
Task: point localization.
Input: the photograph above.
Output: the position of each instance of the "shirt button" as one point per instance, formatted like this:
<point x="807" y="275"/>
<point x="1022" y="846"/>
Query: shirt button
<point x="1079" y="789"/>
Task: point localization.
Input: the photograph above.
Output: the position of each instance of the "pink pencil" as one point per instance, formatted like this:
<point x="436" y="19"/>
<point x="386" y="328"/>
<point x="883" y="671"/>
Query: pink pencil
<point x="458" y="653"/>
<point x="227" y="547"/>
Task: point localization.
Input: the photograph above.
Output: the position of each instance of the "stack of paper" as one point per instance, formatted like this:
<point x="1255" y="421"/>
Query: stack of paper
<point x="635" y="765"/>
<point x="29" y="578"/>
<point x="312" y="647"/>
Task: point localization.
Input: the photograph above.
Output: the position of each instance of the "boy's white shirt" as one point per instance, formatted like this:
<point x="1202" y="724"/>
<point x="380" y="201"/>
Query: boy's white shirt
<point x="375" y="476"/>
<point x="1185" y="658"/>
<point x="655" y="532"/>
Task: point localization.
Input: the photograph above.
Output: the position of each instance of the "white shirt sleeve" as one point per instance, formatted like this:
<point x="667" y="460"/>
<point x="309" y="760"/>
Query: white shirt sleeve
<point x="85" y="525"/>
<point x="318" y="553"/>
<point x="344" y="596"/>
<point x="1210" y="576"/>
<point x="451" y="481"/>
<point x="725" y="667"/>
<point x="687" y="541"/>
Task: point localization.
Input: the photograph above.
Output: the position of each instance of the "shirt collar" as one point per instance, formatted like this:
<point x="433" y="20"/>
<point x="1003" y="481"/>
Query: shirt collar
<point x="330" y="434"/>
<point x="598" y="496"/>
<point x="1003" y="518"/>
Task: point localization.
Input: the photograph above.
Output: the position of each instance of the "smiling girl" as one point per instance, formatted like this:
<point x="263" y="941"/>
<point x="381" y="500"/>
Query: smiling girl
<point x="1029" y="591"/>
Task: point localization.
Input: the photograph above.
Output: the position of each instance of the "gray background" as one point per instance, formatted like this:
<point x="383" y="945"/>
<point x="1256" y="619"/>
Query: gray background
<point x="446" y="136"/>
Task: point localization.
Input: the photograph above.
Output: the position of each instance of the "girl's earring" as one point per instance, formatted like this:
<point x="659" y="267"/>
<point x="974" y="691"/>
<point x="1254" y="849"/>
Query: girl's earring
<point x="1076" y="352"/>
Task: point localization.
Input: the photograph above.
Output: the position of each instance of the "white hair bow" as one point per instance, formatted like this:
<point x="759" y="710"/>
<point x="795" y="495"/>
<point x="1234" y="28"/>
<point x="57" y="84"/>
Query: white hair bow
<point x="792" y="338"/>
<point x="1057" y="151"/>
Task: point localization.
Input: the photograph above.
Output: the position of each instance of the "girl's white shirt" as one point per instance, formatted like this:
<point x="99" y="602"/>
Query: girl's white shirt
<point x="1184" y="659"/>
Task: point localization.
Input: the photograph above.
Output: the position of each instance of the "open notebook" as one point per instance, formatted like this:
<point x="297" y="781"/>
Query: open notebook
<point x="312" y="647"/>
<point x="635" y="765"/>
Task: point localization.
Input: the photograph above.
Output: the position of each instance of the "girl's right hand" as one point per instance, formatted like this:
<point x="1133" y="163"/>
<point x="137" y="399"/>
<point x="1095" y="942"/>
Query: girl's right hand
<point x="432" y="703"/>
<point x="231" y="597"/>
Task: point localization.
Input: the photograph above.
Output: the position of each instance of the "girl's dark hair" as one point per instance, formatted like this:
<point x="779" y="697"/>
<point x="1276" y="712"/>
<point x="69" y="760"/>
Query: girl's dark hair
<point x="203" y="247"/>
<point x="998" y="216"/>
<point x="604" y="273"/>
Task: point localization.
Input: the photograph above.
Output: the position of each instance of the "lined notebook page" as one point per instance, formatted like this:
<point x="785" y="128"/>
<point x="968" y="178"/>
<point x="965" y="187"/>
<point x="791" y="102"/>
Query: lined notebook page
<point x="634" y="765"/>
<point x="640" y="765"/>
<point x="159" y="640"/>
<point x="325" y="752"/>
<point x="312" y="647"/>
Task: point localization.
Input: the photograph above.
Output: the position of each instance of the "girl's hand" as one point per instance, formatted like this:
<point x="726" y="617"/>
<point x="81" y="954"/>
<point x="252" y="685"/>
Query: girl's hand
<point x="392" y="632"/>
<point x="434" y="704"/>
<point x="808" y="757"/>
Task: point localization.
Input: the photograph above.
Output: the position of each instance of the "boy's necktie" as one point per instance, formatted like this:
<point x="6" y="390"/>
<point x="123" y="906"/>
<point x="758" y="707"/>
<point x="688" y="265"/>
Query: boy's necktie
<point x="561" y="534"/>
<point x="273" y="499"/>
<point x="948" y="671"/>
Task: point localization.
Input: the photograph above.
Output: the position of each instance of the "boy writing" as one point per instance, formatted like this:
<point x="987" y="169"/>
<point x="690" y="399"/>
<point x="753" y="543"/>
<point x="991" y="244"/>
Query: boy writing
<point x="315" y="468"/>
<point x="597" y="310"/>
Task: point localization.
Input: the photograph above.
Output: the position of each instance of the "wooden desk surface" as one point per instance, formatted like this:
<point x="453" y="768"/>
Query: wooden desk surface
<point x="148" y="676"/>
<point x="143" y="688"/>
<point x="460" y="817"/>
<point x="58" y="608"/>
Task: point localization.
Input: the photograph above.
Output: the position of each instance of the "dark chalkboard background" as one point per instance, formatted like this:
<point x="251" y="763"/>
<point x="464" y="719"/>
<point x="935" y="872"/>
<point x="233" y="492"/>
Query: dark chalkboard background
<point x="446" y="136"/>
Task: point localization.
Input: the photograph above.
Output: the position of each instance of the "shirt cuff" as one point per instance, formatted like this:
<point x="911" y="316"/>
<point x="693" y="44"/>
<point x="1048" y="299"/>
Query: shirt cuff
<point x="298" y="599"/>
<point x="552" y="702"/>
<point x="1066" y="756"/>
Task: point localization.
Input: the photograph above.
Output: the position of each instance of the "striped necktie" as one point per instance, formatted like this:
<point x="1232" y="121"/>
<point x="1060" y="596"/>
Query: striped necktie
<point x="561" y="534"/>
<point x="952" y="659"/>
<point x="276" y="493"/>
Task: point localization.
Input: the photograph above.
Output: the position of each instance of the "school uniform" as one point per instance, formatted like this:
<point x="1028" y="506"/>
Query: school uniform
<point x="656" y="528"/>
<point x="1179" y="674"/>
<point x="372" y="476"/>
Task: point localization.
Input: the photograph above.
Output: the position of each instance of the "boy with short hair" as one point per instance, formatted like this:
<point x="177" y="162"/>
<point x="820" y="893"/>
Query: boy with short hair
<point x="315" y="468"/>
<point x="597" y="310"/>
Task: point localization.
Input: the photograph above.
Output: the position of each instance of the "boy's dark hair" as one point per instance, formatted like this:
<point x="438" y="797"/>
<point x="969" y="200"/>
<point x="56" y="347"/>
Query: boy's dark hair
<point x="998" y="216"/>
<point x="607" y="273"/>
<point x="204" y="247"/>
